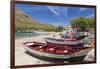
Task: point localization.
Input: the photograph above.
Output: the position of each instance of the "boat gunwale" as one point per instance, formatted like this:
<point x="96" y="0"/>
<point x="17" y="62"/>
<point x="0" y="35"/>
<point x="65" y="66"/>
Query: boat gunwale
<point x="57" y="56"/>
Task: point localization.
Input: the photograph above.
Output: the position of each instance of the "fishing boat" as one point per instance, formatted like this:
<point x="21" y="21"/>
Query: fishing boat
<point x="65" y="41"/>
<point x="55" y="51"/>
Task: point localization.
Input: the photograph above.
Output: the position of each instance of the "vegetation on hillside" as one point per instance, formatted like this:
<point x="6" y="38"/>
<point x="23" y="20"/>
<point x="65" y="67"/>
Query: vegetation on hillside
<point x="24" y="23"/>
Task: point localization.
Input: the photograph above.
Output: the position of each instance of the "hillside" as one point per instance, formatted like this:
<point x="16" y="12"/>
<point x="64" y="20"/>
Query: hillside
<point x="24" y="22"/>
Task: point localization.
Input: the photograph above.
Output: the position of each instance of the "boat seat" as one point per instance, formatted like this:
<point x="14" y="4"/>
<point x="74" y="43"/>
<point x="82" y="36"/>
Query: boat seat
<point x="61" y="51"/>
<point x="50" y="50"/>
<point x="39" y="48"/>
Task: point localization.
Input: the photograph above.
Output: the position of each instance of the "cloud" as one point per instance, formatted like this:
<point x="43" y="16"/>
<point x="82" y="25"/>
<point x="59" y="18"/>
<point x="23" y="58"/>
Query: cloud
<point x="58" y="10"/>
<point x="65" y="11"/>
<point x="83" y="9"/>
<point x="53" y="10"/>
<point x="92" y="15"/>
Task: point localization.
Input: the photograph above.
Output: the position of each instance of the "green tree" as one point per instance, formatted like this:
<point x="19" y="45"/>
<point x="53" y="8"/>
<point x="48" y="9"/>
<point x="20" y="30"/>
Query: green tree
<point x="82" y="23"/>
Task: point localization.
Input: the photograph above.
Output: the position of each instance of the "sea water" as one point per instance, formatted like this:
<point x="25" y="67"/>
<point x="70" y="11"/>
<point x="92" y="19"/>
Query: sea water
<point x="19" y="35"/>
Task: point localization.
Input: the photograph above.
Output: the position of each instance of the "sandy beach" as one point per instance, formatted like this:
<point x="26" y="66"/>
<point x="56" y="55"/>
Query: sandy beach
<point x="22" y="57"/>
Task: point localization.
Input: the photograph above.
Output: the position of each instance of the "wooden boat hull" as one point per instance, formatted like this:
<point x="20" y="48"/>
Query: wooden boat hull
<point x="57" y="56"/>
<point x="63" y="41"/>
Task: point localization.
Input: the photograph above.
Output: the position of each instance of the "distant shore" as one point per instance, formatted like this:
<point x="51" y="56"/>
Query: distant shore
<point x="20" y="35"/>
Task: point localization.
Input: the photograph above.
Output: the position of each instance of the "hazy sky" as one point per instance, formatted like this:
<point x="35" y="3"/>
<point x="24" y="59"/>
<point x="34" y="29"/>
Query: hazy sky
<point x="55" y="15"/>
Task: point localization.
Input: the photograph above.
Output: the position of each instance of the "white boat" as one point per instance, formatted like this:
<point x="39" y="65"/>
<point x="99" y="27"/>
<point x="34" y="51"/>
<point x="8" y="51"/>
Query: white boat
<point x="64" y="41"/>
<point x="29" y="46"/>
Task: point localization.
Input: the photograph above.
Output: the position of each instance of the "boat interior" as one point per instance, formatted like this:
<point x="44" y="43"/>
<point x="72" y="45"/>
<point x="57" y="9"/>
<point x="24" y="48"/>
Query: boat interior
<point x="53" y="48"/>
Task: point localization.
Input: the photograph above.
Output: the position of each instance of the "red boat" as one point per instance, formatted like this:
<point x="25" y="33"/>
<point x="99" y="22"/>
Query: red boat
<point x="55" y="51"/>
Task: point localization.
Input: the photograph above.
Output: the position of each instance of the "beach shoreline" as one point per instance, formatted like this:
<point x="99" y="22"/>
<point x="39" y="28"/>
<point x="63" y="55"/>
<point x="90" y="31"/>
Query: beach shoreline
<point x="21" y="57"/>
<point x="24" y="58"/>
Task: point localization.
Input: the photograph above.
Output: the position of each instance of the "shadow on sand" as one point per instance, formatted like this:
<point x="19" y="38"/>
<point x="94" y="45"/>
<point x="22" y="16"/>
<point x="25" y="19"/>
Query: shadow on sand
<point x="52" y="60"/>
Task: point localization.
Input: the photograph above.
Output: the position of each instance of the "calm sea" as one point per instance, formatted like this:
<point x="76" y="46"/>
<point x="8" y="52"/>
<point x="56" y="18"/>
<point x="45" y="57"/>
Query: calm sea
<point x="19" y="35"/>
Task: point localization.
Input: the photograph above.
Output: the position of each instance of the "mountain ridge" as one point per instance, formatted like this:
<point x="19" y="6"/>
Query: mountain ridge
<point x="24" y="22"/>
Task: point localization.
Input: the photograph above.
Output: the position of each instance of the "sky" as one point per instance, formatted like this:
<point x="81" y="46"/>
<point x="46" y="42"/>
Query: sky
<point x="55" y="15"/>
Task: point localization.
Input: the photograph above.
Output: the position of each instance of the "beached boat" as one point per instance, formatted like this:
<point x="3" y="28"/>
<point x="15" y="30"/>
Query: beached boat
<point x="55" y="51"/>
<point x="64" y="41"/>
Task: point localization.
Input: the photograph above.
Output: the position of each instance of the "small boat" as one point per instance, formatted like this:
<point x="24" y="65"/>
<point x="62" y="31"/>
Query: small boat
<point x="55" y="51"/>
<point x="65" y="41"/>
<point x="78" y="38"/>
